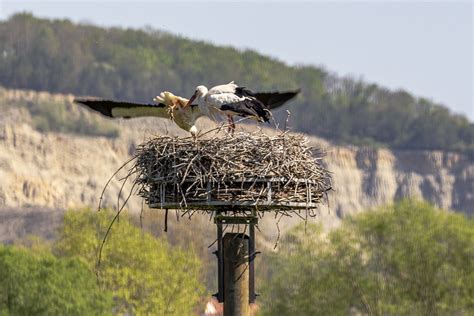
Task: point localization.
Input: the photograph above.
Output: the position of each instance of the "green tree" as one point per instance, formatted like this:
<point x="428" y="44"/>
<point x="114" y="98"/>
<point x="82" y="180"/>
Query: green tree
<point x="37" y="283"/>
<point x="301" y="279"/>
<point x="144" y="273"/>
<point x="408" y="258"/>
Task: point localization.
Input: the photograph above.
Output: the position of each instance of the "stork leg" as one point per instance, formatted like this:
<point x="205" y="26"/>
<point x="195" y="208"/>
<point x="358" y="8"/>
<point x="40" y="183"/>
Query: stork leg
<point x="230" y="121"/>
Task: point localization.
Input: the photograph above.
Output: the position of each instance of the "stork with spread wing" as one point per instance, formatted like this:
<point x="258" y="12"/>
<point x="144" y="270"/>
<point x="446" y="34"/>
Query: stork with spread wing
<point x="229" y="99"/>
<point x="167" y="105"/>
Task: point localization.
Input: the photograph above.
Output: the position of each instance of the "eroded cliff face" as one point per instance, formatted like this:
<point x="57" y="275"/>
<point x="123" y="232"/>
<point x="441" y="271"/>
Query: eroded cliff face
<point x="56" y="171"/>
<point x="365" y="178"/>
<point x="59" y="171"/>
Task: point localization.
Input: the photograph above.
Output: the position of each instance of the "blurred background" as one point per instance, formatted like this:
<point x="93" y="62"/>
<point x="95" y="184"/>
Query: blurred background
<point x="386" y="92"/>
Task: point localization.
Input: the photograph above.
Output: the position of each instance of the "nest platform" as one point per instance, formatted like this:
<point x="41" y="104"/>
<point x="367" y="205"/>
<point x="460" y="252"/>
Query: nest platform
<point x="231" y="173"/>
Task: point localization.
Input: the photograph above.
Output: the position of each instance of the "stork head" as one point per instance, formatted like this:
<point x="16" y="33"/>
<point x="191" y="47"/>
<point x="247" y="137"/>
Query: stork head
<point x="194" y="131"/>
<point x="200" y="92"/>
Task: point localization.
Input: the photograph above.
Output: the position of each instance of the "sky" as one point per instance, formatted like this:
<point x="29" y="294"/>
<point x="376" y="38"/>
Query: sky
<point x="425" y="48"/>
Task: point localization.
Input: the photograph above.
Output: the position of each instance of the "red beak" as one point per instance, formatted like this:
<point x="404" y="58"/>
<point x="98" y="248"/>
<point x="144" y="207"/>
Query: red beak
<point x="191" y="100"/>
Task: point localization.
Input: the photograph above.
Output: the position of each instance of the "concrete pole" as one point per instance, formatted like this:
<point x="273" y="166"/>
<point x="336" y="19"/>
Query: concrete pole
<point x="236" y="275"/>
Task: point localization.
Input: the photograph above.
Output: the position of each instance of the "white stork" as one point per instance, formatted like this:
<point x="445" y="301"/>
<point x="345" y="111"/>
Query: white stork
<point x="176" y="108"/>
<point x="233" y="100"/>
<point x="229" y="99"/>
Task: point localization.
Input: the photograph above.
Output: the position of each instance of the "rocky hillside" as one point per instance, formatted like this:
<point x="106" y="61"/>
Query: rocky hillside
<point x="52" y="170"/>
<point x="365" y="178"/>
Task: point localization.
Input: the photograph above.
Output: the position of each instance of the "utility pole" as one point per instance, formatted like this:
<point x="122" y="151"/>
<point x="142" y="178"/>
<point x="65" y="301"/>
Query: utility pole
<point x="235" y="256"/>
<point x="236" y="275"/>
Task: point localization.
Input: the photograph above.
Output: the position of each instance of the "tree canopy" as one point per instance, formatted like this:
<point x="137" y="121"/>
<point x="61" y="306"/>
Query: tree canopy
<point x="37" y="283"/>
<point x="59" y="56"/>
<point x="139" y="274"/>
<point x="404" y="259"/>
<point x="144" y="274"/>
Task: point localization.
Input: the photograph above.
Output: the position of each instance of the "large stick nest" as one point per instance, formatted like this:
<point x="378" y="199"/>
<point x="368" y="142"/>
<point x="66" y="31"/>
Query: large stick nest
<point x="231" y="172"/>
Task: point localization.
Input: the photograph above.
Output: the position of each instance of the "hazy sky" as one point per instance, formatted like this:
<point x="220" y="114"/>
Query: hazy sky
<point x="425" y="47"/>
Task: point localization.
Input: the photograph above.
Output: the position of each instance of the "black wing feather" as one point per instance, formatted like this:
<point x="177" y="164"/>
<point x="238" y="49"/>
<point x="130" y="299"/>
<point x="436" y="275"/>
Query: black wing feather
<point x="248" y="107"/>
<point x="243" y="92"/>
<point x="105" y="106"/>
<point x="272" y="100"/>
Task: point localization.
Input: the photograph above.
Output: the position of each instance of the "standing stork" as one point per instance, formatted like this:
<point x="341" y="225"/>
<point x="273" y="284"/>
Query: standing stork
<point x="234" y="100"/>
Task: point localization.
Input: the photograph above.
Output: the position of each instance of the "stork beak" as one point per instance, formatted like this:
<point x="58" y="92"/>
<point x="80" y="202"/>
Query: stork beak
<point x="191" y="100"/>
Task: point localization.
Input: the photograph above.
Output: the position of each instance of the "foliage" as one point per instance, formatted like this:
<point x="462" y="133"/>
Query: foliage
<point x="37" y="283"/>
<point x="405" y="259"/>
<point x="144" y="273"/>
<point x="196" y="234"/>
<point x="301" y="279"/>
<point x="134" y="65"/>
<point x="57" y="114"/>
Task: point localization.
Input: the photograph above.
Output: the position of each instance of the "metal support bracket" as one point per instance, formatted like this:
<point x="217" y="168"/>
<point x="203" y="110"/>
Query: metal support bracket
<point x="251" y="221"/>
<point x="235" y="220"/>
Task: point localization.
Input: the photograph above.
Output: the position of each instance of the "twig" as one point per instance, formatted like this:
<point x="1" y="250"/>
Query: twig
<point x="110" y="179"/>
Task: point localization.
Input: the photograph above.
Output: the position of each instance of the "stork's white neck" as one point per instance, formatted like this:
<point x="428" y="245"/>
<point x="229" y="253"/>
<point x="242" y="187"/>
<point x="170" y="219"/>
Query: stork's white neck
<point x="201" y="93"/>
